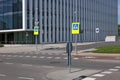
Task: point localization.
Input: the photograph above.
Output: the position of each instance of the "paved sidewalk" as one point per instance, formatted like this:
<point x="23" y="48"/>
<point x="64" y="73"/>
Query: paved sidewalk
<point x="16" y="48"/>
<point x="86" y="54"/>
<point x="110" y="74"/>
<point x="75" y="73"/>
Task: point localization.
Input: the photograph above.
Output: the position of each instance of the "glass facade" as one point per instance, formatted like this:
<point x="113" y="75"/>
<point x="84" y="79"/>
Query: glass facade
<point x="10" y="14"/>
<point x="55" y="19"/>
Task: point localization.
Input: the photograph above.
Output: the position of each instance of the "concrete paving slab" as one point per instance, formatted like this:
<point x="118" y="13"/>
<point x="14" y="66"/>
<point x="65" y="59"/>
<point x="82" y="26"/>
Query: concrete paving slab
<point x="75" y="73"/>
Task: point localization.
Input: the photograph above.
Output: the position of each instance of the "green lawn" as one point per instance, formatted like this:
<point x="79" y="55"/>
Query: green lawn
<point x="108" y="49"/>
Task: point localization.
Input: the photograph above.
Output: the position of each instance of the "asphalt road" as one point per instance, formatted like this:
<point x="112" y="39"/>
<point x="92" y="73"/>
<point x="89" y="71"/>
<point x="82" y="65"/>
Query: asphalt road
<point x="32" y="66"/>
<point x="58" y="59"/>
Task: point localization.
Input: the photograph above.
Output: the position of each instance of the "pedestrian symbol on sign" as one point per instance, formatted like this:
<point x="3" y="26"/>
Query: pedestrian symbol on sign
<point x="36" y="30"/>
<point x="75" y="27"/>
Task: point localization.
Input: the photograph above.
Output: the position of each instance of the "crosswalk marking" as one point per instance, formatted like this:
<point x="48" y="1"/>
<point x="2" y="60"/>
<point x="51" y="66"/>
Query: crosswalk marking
<point x="98" y="75"/>
<point x="20" y="56"/>
<point x="42" y="57"/>
<point x="27" y="56"/>
<point x="15" y="56"/>
<point x="49" y="57"/>
<point x="75" y="58"/>
<point x="57" y="57"/>
<point x="2" y="75"/>
<point x="8" y="63"/>
<point x="34" y="56"/>
<point x="88" y="78"/>
<point x="114" y="69"/>
<point x="64" y="54"/>
<point x="3" y="55"/>
<point x="106" y="72"/>
<point x="117" y="67"/>
<point x="65" y="58"/>
<point x="9" y="55"/>
<point x="26" y="78"/>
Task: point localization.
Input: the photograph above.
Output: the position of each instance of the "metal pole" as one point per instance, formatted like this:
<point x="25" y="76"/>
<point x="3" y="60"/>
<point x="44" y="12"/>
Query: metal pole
<point x="76" y="35"/>
<point x="69" y="59"/>
<point x="36" y="22"/>
<point x="76" y="44"/>
<point x="69" y="62"/>
<point x="36" y="43"/>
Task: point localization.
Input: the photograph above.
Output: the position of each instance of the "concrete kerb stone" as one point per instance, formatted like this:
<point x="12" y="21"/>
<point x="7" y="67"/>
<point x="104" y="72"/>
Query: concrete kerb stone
<point x="75" y="73"/>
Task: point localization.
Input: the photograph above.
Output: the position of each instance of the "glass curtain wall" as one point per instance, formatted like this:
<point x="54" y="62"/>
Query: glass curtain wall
<point x="10" y="14"/>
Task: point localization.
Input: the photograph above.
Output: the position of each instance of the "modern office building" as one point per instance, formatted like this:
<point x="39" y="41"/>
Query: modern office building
<point x="98" y="19"/>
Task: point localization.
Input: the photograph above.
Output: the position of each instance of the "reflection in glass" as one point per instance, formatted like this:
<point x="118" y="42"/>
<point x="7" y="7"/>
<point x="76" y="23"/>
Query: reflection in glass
<point x="10" y="14"/>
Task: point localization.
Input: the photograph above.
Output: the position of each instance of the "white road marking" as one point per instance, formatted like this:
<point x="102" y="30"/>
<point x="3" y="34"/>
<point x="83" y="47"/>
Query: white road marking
<point x="64" y="54"/>
<point x="42" y="57"/>
<point x="65" y="58"/>
<point x="27" y="56"/>
<point x="49" y="57"/>
<point x="90" y="57"/>
<point x="48" y="66"/>
<point x="20" y="56"/>
<point x="106" y="72"/>
<point x="117" y="67"/>
<point x="114" y="69"/>
<point x="3" y="75"/>
<point x="15" y="56"/>
<point x="34" y="57"/>
<point x="98" y="75"/>
<point x="9" y="55"/>
<point x="75" y="58"/>
<point x="26" y="78"/>
<point x="88" y="78"/>
<point x="57" y="57"/>
<point x="3" y="55"/>
<point x="8" y="63"/>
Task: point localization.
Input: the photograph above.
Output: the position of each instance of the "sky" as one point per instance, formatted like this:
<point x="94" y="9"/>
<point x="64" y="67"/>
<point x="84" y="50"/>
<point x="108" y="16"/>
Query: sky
<point x="118" y="11"/>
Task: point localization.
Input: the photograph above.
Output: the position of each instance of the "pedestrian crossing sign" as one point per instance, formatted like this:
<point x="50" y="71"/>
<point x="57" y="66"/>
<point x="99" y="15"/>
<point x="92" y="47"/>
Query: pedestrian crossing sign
<point x="75" y="28"/>
<point x="36" y="30"/>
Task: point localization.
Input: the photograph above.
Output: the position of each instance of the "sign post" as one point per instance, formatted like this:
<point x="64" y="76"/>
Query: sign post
<point x="36" y="32"/>
<point x="97" y="30"/>
<point x="26" y="34"/>
<point x="69" y="49"/>
<point x="76" y="31"/>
